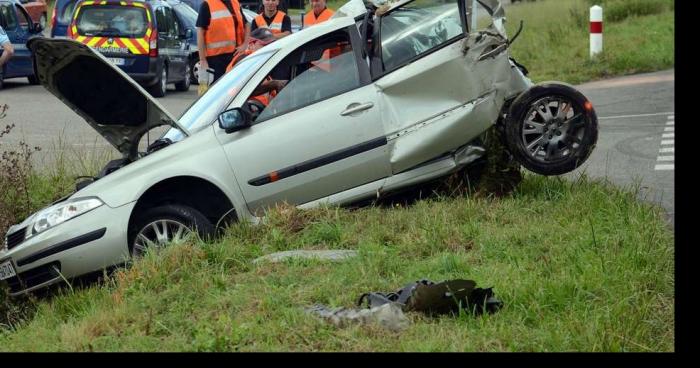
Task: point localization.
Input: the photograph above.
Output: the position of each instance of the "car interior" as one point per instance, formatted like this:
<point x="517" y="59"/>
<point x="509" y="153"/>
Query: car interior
<point x="318" y="70"/>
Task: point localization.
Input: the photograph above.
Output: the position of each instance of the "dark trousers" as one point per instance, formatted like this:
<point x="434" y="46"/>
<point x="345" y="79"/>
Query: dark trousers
<point x="219" y="64"/>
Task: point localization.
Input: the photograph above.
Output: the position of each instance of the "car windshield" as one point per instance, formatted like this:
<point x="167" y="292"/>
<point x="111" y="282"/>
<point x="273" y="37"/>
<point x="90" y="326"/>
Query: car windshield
<point x="112" y="21"/>
<point x="186" y="10"/>
<point x="207" y="108"/>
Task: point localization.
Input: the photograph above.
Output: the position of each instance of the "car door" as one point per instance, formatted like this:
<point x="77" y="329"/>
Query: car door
<point x="434" y="89"/>
<point x="34" y="8"/>
<point x="19" y="28"/>
<point x="178" y="47"/>
<point x="319" y="135"/>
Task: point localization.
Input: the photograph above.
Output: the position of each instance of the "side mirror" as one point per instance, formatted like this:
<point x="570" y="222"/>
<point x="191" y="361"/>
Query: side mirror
<point x="234" y="120"/>
<point x="185" y="34"/>
<point x="38" y="27"/>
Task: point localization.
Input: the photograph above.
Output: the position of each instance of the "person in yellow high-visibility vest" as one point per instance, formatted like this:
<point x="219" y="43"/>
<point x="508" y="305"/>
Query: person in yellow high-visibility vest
<point x="273" y="19"/>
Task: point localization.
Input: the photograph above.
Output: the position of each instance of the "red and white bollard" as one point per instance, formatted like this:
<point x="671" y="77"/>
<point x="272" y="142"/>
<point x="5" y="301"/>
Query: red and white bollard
<point x="596" y="30"/>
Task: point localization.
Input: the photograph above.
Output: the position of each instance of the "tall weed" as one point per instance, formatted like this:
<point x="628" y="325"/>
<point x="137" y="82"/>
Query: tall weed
<point x="15" y="178"/>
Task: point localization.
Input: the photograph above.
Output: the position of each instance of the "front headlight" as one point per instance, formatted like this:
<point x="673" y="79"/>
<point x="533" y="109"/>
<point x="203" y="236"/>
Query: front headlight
<point x="62" y="212"/>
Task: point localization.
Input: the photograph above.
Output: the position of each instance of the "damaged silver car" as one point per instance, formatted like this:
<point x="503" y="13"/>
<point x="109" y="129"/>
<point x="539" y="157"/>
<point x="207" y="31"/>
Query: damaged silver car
<point x="378" y="98"/>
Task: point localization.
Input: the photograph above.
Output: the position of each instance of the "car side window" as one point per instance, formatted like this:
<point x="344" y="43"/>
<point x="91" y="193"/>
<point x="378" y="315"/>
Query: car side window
<point x="162" y="22"/>
<point x="414" y="29"/>
<point x="7" y="18"/>
<point x="172" y="24"/>
<point x="23" y="18"/>
<point x="318" y="70"/>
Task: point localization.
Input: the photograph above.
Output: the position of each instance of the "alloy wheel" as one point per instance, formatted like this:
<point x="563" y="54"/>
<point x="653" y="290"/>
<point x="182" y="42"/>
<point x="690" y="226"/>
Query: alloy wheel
<point x="553" y="128"/>
<point x="195" y="70"/>
<point x="164" y="79"/>
<point x="160" y="233"/>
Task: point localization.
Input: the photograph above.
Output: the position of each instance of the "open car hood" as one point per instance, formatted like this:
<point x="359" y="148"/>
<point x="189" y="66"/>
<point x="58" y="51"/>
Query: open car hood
<point x="106" y="97"/>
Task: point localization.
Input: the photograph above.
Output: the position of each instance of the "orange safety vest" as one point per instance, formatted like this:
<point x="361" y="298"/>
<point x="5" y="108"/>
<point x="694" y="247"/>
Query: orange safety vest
<point x="310" y="18"/>
<point x="224" y="34"/>
<point x="236" y="57"/>
<point x="276" y="26"/>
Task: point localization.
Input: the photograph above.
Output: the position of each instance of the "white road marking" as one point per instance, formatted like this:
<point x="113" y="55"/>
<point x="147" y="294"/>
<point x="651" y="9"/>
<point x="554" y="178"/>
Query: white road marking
<point x="634" y="116"/>
<point x="666" y="153"/>
<point x="664" y="167"/>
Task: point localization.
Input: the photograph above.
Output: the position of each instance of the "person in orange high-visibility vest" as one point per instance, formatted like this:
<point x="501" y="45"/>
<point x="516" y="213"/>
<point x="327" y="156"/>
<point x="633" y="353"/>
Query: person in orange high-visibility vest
<point x="319" y="13"/>
<point x="274" y="19"/>
<point x="268" y="89"/>
<point x="221" y="30"/>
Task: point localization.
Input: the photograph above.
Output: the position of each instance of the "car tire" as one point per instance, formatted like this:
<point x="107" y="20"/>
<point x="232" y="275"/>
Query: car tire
<point x="184" y="85"/>
<point x="33" y="79"/>
<point x="171" y="217"/>
<point x="159" y="89"/>
<point x="545" y="141"/>
<point x="194" y="70"/>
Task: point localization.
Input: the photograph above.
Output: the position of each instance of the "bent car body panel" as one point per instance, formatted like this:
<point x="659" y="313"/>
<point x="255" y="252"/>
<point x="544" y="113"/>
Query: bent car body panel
<point x="434" y="104"/>
<point x="108" y="99"/>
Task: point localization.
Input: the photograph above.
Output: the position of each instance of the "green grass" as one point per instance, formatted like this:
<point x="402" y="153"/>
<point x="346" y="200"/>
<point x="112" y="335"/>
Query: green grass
<point x="554" y="43"/>
<point x="581" y="266"/>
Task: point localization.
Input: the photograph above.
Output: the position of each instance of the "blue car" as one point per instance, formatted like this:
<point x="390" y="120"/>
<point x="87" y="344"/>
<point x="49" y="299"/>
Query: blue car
<point x="61" y="17"/>
<point x="19" y="27"/>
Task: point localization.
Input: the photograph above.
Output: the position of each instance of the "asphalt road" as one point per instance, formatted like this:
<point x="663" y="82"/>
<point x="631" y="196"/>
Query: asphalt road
<point x="636" y="138"/>
<point x="635" y="143"/>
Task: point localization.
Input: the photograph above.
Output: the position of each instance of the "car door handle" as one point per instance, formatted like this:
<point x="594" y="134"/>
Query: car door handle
<point x="356" y="107"/>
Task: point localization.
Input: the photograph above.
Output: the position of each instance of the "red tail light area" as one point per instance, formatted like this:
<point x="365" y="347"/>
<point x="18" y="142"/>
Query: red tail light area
<point x="153" y="44"/>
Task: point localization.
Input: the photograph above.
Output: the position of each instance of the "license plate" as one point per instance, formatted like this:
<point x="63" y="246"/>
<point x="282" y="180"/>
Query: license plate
<point x="6" y="270"/>
<point x="117" y="61"/>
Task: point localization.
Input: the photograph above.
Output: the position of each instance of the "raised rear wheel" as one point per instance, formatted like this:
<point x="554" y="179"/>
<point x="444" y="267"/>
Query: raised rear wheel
<point x="551" y="129"/>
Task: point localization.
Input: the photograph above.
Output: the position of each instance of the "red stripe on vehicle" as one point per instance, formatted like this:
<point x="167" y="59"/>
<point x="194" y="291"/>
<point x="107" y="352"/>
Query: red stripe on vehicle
<point x="120" y="43"/>
<point x="137" y="45"/>
<point x="596" y="27"/>
<point x="101" y="42"/>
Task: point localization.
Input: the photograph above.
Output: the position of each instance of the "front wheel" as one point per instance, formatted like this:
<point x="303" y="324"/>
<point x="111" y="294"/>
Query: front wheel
<point x="163" y="225"/>
<point x="194" y="70"/>
<point x="551" y="129"/>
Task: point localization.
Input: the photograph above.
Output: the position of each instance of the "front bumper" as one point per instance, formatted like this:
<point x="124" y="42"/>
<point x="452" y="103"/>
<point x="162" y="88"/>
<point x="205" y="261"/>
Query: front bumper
<point x="87" y="243"/>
